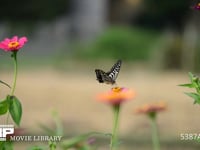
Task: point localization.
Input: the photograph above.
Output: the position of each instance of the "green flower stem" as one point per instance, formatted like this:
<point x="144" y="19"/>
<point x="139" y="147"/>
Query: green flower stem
<point x="113" y="143"/>
<point x="155" y="138"/>
<point x="52" y="145"/>
<point x="7" y="118"/>
<point x="14" y="55"/>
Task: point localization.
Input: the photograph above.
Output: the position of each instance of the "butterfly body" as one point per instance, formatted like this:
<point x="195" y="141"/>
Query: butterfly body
<point x="110" y="76"/>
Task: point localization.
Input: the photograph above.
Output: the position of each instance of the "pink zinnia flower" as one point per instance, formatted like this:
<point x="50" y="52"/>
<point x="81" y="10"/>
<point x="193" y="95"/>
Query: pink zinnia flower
<point x="13" y="44"/>
<point x="197" y="6"/>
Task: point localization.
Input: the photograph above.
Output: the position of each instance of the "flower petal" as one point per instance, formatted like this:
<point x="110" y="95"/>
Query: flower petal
<point x="2" y="46"/>
<point x="148" y="108"/>
<point x="116" y="95"/>
<point x="6" y="40"/>
<point x="22" y="40"/>
<point x="14" y="38"/>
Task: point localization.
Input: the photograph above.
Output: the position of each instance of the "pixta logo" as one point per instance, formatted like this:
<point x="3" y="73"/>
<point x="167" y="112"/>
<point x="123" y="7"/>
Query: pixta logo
<point x="5" y="130"/>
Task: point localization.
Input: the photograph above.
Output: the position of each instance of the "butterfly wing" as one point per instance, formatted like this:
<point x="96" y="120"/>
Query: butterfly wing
<point x="109" y="77"/>
<point x="99" y="75"/>
<point x="103" y="77"/>
<point x="114" y="71"/>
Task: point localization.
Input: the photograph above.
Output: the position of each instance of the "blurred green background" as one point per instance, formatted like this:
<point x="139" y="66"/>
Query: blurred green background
<point x="151" y="31"/>
<point x="158" y="42"/>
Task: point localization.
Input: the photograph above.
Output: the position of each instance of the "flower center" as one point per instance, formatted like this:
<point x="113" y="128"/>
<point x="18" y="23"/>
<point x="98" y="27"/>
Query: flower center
<point x="116" y="89"/>
<point x="13" y="44"/>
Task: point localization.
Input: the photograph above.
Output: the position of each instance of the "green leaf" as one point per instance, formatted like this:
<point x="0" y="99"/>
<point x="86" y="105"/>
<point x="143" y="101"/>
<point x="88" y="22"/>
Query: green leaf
<point x="195" y="96"/>
<point x="189" y="85"/>
<point x="15" y="109"/>
<point x="5" y="84"/>
<point x="70" y="143"/>
<point x="198" y="140"/>
<point x="37" y="148"/>
<point x="48" y="130"/>
<point x="4" y="107"/>
<point x="194" y="79"/>
<point x="52" y="145"/>
<point x="191" y="76"/>
<point x="59" y="127"/>
<point x="6" y="145"/>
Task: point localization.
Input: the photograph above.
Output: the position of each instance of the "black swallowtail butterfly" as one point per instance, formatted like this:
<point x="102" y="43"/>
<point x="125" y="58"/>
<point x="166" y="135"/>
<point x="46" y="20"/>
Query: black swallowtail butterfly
<point x="110" y="76"/>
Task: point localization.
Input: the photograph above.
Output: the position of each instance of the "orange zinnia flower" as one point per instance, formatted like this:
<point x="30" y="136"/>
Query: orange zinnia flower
<point x="150" y="108"/>
<point x="116" y="95"/>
